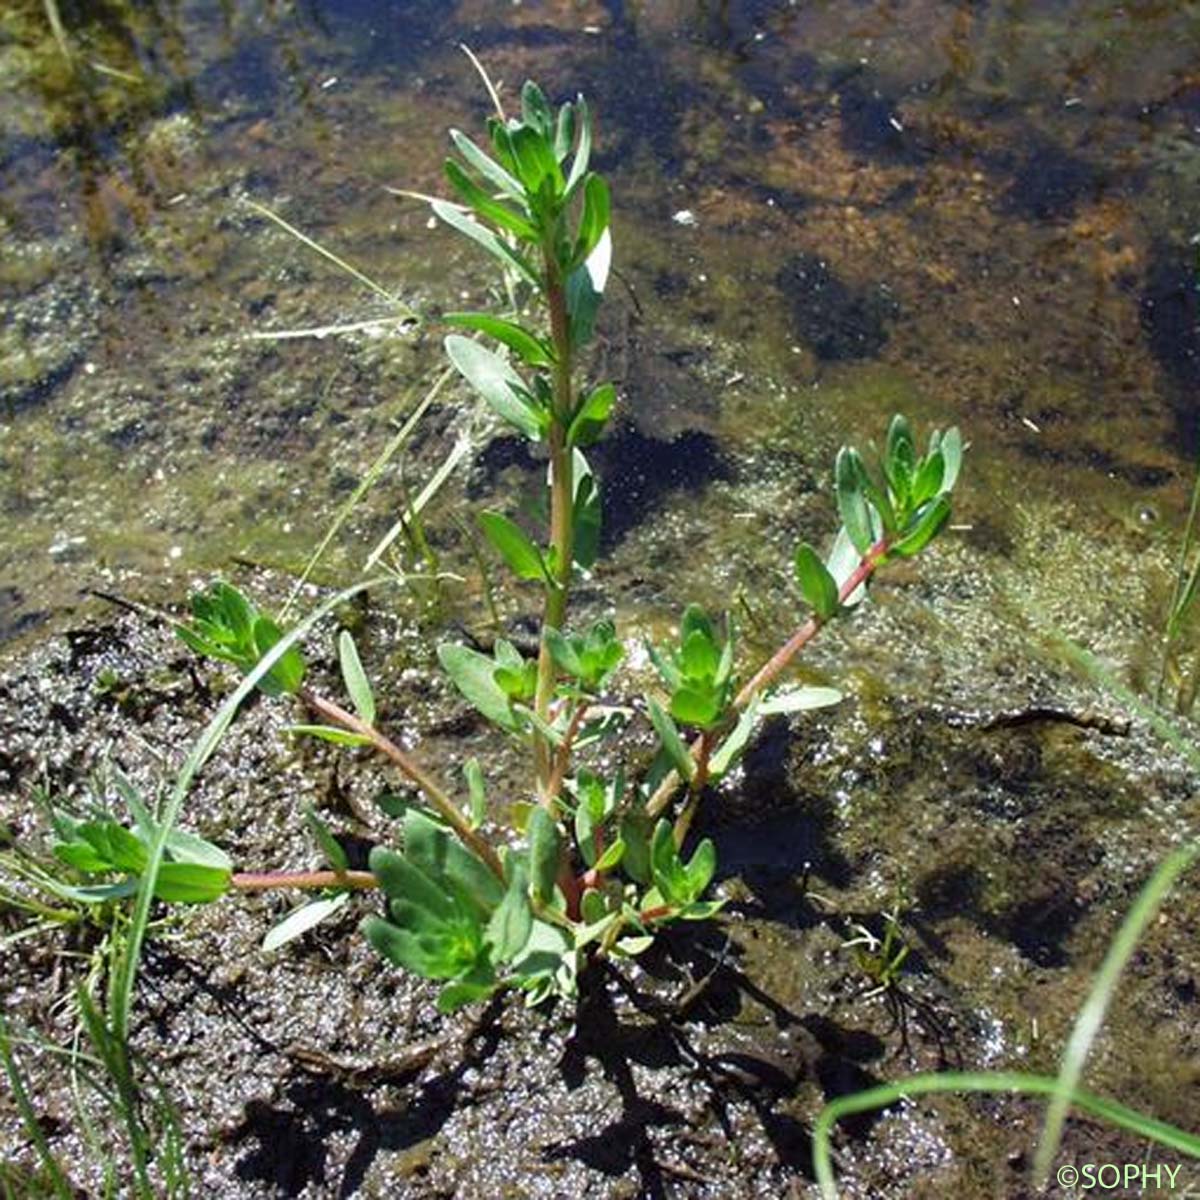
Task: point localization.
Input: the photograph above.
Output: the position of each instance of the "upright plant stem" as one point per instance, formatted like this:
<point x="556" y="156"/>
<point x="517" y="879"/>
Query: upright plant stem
<point x="561" y="511"/>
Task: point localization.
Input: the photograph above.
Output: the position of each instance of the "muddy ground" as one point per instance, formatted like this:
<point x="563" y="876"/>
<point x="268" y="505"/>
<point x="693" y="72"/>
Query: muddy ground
<point x="972" y="213"/>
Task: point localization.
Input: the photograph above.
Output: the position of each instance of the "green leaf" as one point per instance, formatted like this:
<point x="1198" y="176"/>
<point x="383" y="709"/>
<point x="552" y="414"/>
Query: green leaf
<point x="799" y="699"/>
<point x="431" y="958"/>
<point x="499" y="249"/>
<point x="530" y="348"/>
<point x="524" y="559"/>
<point x="429" y="845"/>
<point x="547" y="964"/>
<point x="851" y="503"/>
<point x="900" y="458"/>
<point x="669" y="875"/>
<point x="579" y="164"/>
<point x="491" y="170"/>
<point x="816" y="583"/>
<point x="928" y="481"/>
<point x="496" y="382"/>
<point x="672" y="743"/>
<point x="83" y="857"/>
<point x="300" y="920"/>
<point x="635" y="836"/>
<point x="535" y="111"/>
<point x="492" y="210"/>
<point x="355" y="678"/>
<point x="564" y="651"/>
<point x="329" y="733"/>
<point x="701" y="910"/>
<point x="564" y="132"/>
<point x="696" y="623"/>
<point x="510" y="925"/>
<point x="100" y="893"/>
<point x="589" y="813"/>
<point x="843" y="561"/>
<point x="552" y="733"/>
<point x="190" y="883"/>
<point x="594" y="221"/>
<point x="536" y="165"/>
<point x="592" y="415"/>
<point x="476" y="792"/>
<point x="701" y="868"/>
<point x="184" y="847"/>
<point x="123" y="849"/>
<point x="586" y="515"/>
<point x="472" y="673"/>
<point x="285" y="677"/>
<point x="699" y="656"/>
<point x="612" y="856"/>
<point x="585" y="289"/>
<point x="924" y="528"/>
<point x="951" y="447"/>
<point x="401" y="879"/>
<point x="544" y="844"/>
<point x="455" y="995"/>
<point x="730" y="750"/>
<point x="329" y="846"/>
<point x="698" y="703"/>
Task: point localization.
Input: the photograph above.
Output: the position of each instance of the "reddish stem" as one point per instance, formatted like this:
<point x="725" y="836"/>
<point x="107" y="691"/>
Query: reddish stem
<point x="434" y="792"/>
<point x="774" y="666"/>
<point x="265" y="881"/>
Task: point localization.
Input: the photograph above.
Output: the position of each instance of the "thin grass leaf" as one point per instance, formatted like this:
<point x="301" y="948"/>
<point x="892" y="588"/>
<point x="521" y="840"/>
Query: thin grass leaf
<point x="29" y="1118"/>
<point x="436" y="481"/>
<point x="989" y="1082"/>
<point x="300" y="920"/>
<point x="357" y="684"/>
<point x="125" y="970"/>
<point x="374" y="472"/>
<point x="366" y="280"/>
<point x="1091" y="1016"/>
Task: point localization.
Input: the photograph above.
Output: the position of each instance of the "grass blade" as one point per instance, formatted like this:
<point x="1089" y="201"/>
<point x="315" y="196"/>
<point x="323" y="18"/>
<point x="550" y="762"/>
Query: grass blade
<point x="58" y="1181"/>
<point x="983" y="1081"/>
<point x="1091" y="1016"/>
<point x="366" y="280"/>
<point x="126" y="969"/>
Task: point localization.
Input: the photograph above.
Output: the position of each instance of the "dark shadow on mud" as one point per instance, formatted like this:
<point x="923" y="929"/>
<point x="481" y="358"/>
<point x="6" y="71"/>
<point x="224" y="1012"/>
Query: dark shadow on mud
<point x="1170" y="312"/>
<point x="637" y="472"/>
<point x="838" y="321"/>
<point x="762" y="1071"/>
<point x="292" y="1134"/>
<point x="780" y="836"/>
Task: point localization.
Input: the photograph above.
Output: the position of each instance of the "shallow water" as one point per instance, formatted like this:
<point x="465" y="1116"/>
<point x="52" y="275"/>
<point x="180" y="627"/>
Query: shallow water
<point x="983" y="214"/>
<point x="824" y="212"/>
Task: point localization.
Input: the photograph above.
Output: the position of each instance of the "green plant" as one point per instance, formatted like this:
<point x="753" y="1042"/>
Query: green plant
<point x="881" y="959"/>
<point x="600" y="866"/>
